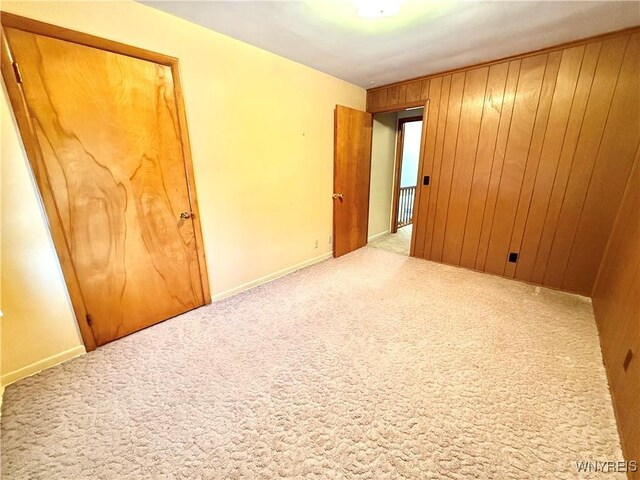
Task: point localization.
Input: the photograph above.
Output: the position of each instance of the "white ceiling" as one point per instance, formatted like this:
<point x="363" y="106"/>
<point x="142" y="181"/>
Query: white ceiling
<point x="425" y="37"/>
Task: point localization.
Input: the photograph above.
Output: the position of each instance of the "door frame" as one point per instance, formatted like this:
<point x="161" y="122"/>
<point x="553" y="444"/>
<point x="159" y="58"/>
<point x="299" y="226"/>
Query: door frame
<point x="36" y="161"/>
<point x="398" y="166"/>
<point x="424" y="104"/>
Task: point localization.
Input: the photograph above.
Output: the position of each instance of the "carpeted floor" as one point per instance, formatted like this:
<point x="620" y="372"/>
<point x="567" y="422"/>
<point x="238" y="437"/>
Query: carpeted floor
<point x="399" y="242"/>
<point x="372" y="366"/>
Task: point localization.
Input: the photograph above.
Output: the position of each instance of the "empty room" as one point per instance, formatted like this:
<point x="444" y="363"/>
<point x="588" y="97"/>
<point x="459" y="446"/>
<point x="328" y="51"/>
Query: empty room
<point x="322" y="239"/>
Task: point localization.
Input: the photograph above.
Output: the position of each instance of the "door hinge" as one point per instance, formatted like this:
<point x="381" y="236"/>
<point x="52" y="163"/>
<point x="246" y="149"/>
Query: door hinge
<point x="89" y="321"/>
<point x="16" y="71"/>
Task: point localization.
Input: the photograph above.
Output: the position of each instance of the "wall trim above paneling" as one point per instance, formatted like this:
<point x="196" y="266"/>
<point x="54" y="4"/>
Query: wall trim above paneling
<point x="412" y="92"/>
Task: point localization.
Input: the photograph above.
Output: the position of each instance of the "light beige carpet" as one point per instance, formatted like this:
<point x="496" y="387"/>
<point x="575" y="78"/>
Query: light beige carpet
<point x="372" y="366"/>
<point x="399" y="242"/>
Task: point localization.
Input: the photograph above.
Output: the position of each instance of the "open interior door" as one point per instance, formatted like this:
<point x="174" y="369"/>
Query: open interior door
<point x="351" y="172"/>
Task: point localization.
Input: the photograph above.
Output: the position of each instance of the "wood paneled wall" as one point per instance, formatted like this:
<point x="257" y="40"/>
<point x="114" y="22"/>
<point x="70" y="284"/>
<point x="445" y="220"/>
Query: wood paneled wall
<point x="527" y="155"/>
<point x="616" y="302"/>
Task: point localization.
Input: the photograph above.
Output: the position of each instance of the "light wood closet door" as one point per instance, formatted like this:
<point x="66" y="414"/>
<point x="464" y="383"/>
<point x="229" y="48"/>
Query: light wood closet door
<point x="108" y="131"/>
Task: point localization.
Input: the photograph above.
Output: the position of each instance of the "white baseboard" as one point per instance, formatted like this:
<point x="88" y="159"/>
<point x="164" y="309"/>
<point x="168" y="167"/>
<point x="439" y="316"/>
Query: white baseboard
<point x="378" y="235"/>
<point x="9" y="378"/>
<point x="14" y="376"/>
<point x="268" y="278"/>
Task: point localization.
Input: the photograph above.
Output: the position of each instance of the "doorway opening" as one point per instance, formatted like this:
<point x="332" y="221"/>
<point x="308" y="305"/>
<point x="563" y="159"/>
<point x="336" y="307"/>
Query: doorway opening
<point x="395" y="157"/>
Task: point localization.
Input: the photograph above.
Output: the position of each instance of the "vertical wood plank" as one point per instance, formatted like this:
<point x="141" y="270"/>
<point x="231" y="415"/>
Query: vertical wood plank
<point x="596" y="114"/>
<point x="533" y="158"/>
<point x="423" y="192"/>
<point x="402" y="93"/>
<point x="393" y="93"/>
<point x="437" y="166"/>
<point x="552" y="146"/>
<point x="448" y="155"/>
<point x="378" y="99"/>
<point x="464" y="159"/>
<point x="418" y="192"/>
<point x="612" y="168"/>
<point x="559" y="182"/>
<point x="414" y="91"/>
<point x="498" y="159"/>
<point x="616" y="303"/>
<point x="425" y="86"/>
<point x="524" y="113"/>
<point x="492" y="108"/>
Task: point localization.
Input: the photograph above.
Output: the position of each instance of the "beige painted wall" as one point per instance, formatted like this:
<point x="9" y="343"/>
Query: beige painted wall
<point x="38" y="324"/>
<point x="383" y="150"/>
<point x="3" y="115"/>
<point x="261" y="132"/>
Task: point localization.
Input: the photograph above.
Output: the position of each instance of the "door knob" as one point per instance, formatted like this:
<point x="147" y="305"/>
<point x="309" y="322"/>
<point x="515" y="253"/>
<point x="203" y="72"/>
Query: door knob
<point x="185" y="215"/>
<point x="338" y="195"/>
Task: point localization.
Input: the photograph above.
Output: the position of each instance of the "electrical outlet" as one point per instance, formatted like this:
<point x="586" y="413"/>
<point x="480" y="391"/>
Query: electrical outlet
<point x="315" y="245"/>
<point x="330" y="239"/>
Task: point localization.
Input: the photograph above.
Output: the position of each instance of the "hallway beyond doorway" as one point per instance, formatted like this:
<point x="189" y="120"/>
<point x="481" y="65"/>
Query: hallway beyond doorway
<point x="407" y="159"/>
<point x="399" y="242"/>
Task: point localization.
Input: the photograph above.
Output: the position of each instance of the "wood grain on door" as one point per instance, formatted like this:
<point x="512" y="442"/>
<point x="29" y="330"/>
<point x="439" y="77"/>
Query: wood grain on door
<point x="109" y="139"/>
<point x="352" y="169"/>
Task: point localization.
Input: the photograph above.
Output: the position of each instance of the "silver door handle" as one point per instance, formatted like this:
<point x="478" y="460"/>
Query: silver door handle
<point x="338" y="195"/>
<point x="185" y="215"/>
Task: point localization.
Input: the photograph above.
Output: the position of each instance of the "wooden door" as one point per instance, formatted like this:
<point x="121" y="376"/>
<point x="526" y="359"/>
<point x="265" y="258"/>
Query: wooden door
<point x="107" y="143"/>
<point x="351" y="175"/>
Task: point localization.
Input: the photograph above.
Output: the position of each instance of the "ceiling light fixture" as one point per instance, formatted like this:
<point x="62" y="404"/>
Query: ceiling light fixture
<point x="378" y="8"/>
